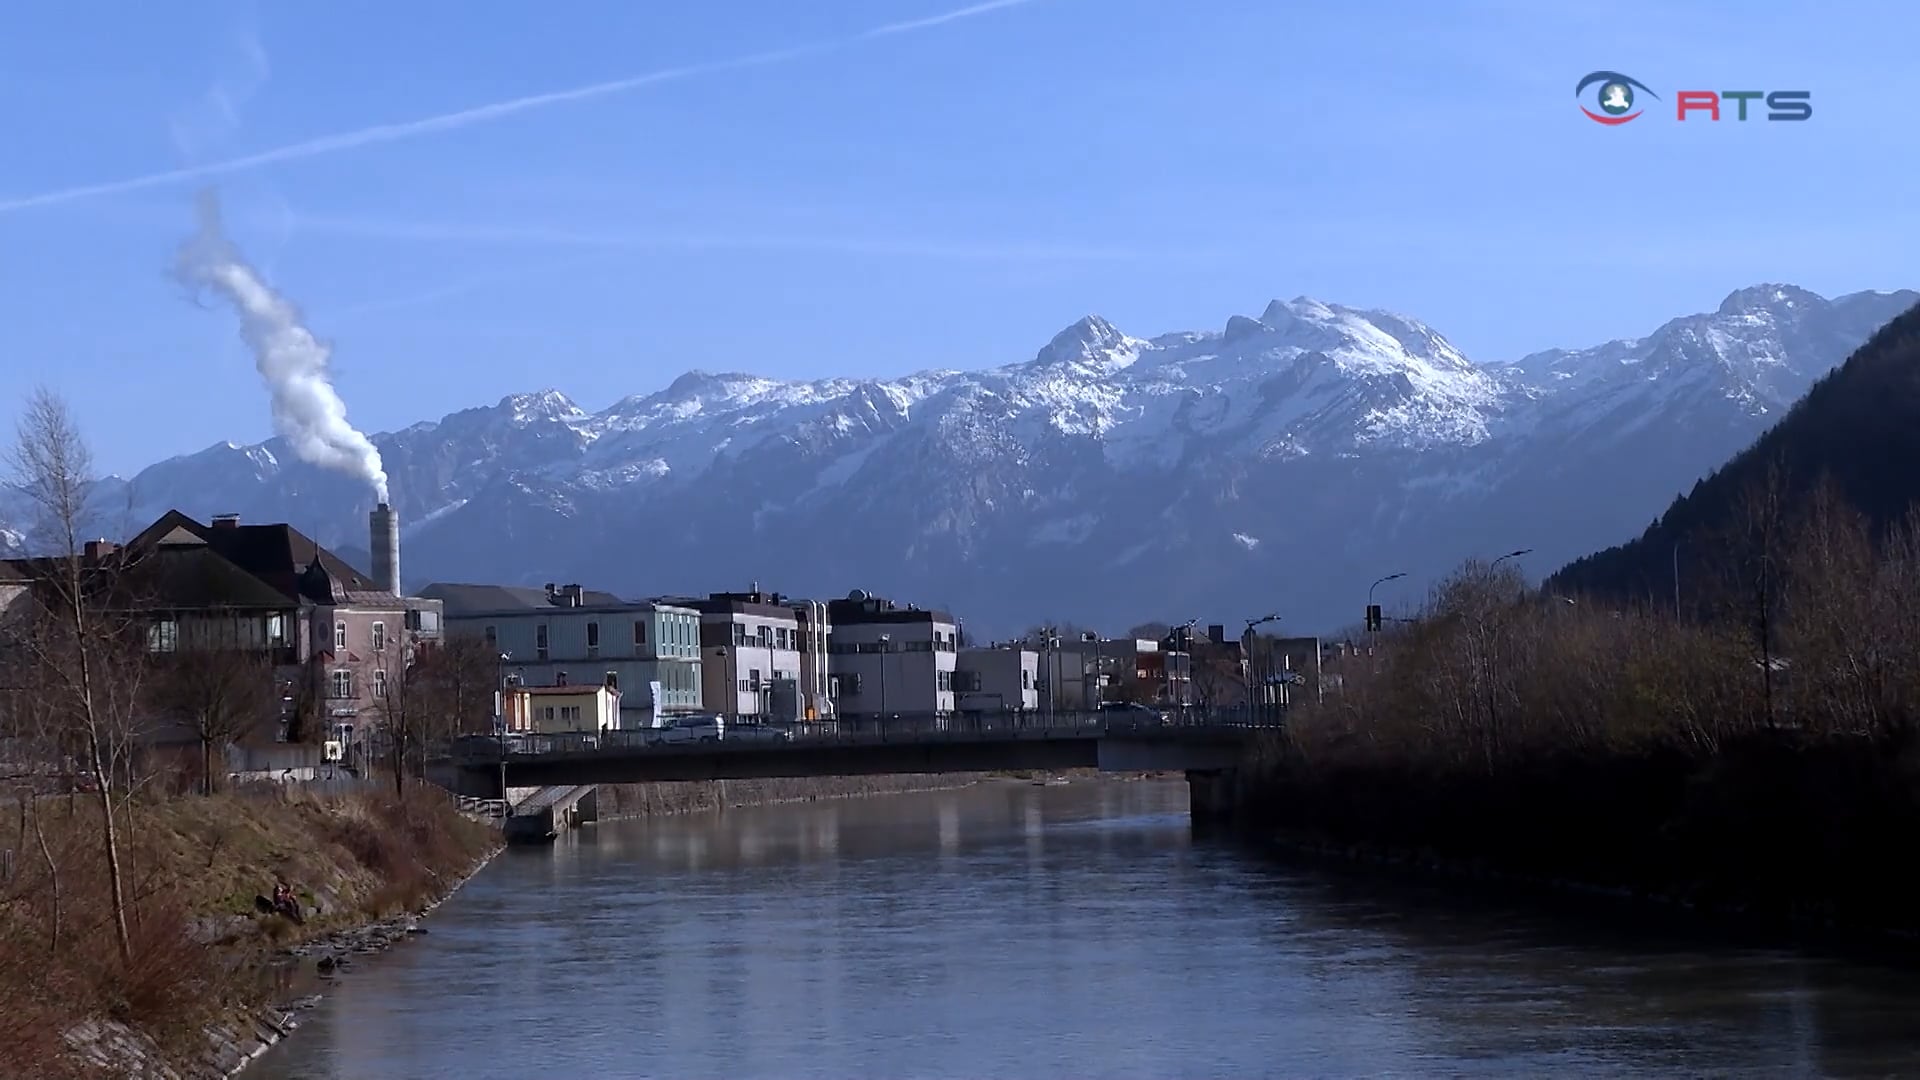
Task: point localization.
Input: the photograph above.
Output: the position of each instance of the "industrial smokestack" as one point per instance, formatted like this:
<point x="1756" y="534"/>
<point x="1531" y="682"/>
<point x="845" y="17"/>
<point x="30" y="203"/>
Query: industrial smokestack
<point x="383" y="526"/>
<point x="307" y="412"/>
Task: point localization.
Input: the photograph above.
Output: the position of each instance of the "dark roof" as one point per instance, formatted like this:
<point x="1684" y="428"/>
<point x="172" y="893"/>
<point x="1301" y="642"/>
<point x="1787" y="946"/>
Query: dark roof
<point x="855" y="613"/>
<point x="11" y="572"/>
<point x="729" y="606"/>
<point x="279" y="555"/>
<point x="194" y="577"/>
<point x="467" y="600"/>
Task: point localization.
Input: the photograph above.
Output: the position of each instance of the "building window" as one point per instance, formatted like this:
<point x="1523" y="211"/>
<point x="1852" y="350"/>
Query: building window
<point x="613" y="680"/>
<point x="540" y="642"/>
<point x="163" y="636"/>
<point x="1026" y="679"/>
<point x="379" y="683"/>
<point x="546" y="713"/>
<point x="570" y="712"/>
<point x="639" y="633"/>
<point x="277" y="631"/>
<point x="559" y="678"/>
<point x="943" y="680"/>
<point x="342" y="684"/>
<point x="379" y="636"/>
<point x="753" y="678"/>
<point x="593" y="640"/>
<point x="339" y="636"/>
<point x="493" y="637"/>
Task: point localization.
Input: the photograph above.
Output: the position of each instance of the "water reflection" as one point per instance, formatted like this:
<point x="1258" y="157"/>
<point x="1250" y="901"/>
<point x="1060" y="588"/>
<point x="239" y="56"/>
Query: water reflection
<point x="1013" y="930"/>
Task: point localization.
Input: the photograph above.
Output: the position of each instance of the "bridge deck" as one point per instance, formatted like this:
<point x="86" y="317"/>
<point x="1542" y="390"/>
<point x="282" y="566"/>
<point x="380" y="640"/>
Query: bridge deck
<point x="918" y="745"/>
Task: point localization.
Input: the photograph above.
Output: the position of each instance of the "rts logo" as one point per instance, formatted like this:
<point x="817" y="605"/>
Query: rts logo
<point x="1615" y="98"/>
<point x="1616" y="101"/>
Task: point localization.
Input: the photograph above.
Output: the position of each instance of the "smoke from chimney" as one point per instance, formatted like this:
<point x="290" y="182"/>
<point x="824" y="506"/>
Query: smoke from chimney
<point x="307" y="412"/>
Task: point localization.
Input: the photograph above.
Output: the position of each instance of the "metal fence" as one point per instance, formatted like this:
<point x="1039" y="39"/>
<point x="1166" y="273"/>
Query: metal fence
<point x="899" y="727"/>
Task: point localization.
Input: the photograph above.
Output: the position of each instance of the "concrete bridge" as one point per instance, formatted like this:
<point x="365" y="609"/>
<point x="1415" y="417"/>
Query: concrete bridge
<point x="1206" y="747"/>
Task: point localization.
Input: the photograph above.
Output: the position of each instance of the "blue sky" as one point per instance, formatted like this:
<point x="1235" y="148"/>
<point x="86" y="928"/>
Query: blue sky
<point x="862" y="203"/>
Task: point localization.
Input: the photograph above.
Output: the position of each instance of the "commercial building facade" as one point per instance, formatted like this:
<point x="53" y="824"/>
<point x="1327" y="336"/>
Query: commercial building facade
<point x="570" y="636"/>
<point x="891" y="660"/>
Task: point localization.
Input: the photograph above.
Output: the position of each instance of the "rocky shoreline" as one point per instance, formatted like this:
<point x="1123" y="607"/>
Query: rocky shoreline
<point x="238" y="1041"/>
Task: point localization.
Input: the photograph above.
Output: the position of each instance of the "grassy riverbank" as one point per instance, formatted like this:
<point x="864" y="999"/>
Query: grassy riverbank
<point x="191" y="868"/>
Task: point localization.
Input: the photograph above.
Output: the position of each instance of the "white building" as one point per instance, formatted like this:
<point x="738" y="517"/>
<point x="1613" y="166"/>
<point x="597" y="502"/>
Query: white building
<point x="889" y="660"/>
<point x="569" y="636"/>
<point x="750" y="644"/>
<point x="1002" y="678"/>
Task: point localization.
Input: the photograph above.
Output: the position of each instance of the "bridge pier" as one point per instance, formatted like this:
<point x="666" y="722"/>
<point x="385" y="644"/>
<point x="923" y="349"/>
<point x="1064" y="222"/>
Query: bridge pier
<point x="1210" y="795"/>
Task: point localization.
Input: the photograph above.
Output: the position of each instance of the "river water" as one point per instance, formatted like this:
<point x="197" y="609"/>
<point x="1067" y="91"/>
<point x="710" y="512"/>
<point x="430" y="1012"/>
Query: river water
<point x="1014" y="930"/>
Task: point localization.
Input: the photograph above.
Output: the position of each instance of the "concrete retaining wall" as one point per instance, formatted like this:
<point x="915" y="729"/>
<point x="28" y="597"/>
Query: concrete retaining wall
<point x="682" y="797"/>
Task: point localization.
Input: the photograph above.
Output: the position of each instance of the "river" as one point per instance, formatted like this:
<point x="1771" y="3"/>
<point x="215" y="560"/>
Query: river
<point x="1015" y="930"/>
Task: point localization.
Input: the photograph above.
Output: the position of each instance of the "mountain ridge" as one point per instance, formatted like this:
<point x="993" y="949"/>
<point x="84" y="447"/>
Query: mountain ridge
<point x="1110" y="478"/>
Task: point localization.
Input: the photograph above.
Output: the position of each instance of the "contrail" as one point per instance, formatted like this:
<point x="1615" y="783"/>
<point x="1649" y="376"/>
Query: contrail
<point x="481" y="114"/>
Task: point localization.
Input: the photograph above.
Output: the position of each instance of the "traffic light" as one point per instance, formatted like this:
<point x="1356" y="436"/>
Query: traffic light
<point x="1373" y="617"/>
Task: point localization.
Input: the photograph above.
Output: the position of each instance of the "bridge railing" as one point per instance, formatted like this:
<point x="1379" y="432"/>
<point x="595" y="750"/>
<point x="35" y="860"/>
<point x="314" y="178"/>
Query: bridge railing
<point x="888" y="728"/>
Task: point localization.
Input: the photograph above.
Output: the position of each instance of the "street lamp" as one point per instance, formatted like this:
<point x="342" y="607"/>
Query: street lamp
<point x="1382" y="581"/>
<point x="1509" y="555"/>
<point x="1373" y="616"/>
<point x="1246" y="657"/>
<point x="1049" y="645"/>
<point x="1090" y="690"/>
<point x="885" y="641"/>
<point x="500" y="725"/>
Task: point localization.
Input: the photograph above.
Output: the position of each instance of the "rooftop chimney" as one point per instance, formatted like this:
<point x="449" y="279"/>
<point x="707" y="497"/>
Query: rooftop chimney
<point x="384" y="526"/>
<point x="226" y="521"/>
<point x="97" y="549"/>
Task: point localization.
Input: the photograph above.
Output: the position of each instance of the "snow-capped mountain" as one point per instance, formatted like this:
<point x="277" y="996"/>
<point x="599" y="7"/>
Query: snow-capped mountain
<point x="1279" y="463"/>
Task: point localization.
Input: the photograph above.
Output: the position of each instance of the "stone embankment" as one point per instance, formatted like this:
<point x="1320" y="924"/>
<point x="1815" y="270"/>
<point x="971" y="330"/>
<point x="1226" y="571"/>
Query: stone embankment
<point x="648" y="800"/>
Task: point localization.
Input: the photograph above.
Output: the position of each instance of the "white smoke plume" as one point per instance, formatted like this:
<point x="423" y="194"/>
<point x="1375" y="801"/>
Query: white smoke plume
<point x="307" y="412"/>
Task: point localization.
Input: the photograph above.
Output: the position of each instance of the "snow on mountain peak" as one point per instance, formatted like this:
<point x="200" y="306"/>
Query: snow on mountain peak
<point x="1240" y="327"/>
<point x="1093" y="340"/>
<point x="1767" y="297"/>
<point x="548" y="404"/>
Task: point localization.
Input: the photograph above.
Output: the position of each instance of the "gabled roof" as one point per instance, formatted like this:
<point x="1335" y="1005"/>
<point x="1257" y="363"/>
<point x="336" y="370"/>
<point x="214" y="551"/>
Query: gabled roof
<point x="276" y="554"/>
<point x="194" y="577"/>
<point x="463" y="600"/>
<point x="11" y="572"/>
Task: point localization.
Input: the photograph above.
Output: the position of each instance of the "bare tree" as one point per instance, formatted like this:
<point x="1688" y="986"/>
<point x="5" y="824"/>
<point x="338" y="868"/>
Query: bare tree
<point x="84" y="647"/>
<point x="217" y="694"/>
<point x="444" y="689"/>
<point x="1756" y="537"/>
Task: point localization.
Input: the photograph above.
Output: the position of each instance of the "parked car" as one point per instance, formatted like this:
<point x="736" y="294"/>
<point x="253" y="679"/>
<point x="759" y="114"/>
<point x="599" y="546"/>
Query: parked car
<point x="695" y="729"/>
<point x="759" y="733"/>
<point x="1131" y="710"/>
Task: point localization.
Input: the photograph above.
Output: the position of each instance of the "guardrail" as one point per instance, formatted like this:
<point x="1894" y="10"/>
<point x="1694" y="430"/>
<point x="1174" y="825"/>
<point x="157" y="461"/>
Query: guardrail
<point x="491" y="808"/>
<point x="905" y="727"/>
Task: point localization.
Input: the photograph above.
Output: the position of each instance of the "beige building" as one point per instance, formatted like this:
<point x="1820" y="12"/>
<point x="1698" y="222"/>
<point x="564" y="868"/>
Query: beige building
<point x="557" y="710"/>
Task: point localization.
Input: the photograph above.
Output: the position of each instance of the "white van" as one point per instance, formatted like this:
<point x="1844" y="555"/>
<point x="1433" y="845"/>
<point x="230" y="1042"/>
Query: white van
<point x="684" y="729"/>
